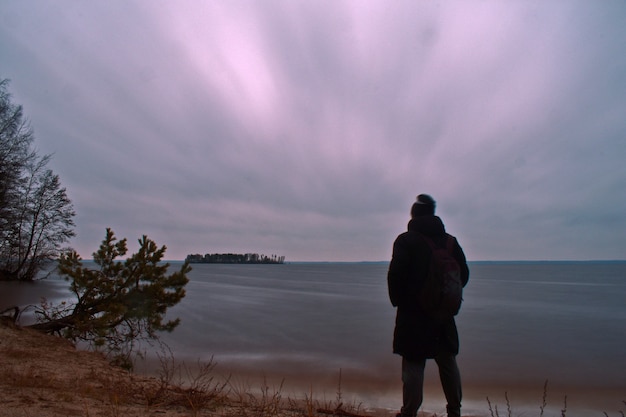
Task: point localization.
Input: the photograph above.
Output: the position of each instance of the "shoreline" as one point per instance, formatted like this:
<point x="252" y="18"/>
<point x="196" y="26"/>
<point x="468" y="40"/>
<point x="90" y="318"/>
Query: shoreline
<point x="365" y="388"/>
<point x="30" y="360"/>
<point x="518" y="373"/>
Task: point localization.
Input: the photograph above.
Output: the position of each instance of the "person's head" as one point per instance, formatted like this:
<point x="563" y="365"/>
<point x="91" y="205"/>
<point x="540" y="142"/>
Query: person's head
<point x="423" y="206"/>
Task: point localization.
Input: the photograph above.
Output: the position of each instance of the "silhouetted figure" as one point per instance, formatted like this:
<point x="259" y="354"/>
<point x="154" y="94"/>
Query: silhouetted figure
<point x="419" y="336"/>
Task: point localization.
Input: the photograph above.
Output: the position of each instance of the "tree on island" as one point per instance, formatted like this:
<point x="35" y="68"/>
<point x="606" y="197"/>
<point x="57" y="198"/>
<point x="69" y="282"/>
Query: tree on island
<point x="235" y="258"/>
<point x="118" y="304"/>
<point x="36" y="216"/>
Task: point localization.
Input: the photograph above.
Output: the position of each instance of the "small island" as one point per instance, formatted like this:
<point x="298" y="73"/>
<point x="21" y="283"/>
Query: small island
<point x="234" y="258"/>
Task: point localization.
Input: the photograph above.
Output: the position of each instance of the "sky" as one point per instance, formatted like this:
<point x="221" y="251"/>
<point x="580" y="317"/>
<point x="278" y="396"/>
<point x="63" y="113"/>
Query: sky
<point x="307" y="128"/>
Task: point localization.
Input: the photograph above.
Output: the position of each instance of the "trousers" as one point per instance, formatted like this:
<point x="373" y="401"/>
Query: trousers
<point x="413" y="384"/>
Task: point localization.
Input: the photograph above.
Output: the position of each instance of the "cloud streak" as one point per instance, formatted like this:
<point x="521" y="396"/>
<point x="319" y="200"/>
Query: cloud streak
<point x="306" y="128"/>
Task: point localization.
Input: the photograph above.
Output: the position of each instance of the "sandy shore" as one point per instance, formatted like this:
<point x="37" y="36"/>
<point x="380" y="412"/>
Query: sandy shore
<point x="45" y="376"/>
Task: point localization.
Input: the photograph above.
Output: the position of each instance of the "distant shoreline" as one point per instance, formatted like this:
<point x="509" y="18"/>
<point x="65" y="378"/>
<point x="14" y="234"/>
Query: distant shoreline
<point x="235" y="258"/>
<point x="590" y="261"/>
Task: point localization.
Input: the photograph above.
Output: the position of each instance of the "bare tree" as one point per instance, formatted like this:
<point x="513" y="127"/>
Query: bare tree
<point x="36" y="215"/>
<point x="16" y="138"/>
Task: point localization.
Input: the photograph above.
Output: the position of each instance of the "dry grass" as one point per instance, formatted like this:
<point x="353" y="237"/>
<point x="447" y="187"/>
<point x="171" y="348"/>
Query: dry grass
<point x="495" y="412"/>
<point x="46" y="376"/>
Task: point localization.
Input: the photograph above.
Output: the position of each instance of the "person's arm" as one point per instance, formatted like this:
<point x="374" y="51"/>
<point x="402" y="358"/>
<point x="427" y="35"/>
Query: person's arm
<point x="396" y="276"/>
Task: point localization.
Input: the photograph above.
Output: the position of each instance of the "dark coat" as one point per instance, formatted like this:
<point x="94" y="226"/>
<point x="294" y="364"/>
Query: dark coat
<point x="417" y="335"/>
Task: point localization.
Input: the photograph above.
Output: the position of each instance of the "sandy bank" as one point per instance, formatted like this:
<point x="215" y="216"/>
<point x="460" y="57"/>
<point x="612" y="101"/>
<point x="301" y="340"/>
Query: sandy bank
<point x="46" y="376"/>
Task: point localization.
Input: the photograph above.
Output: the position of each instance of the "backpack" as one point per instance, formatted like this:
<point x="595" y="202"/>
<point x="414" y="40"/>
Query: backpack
<point x="442" y="292"/>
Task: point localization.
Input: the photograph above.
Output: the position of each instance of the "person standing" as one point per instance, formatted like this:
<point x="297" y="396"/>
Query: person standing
<point x="417" y="335"/>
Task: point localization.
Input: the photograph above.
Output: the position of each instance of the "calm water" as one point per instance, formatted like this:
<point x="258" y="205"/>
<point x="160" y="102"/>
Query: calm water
<point x="521" y="324"/>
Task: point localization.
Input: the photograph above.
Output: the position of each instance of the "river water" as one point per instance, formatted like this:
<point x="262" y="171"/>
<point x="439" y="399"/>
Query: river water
<point x="317" y="325"/>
